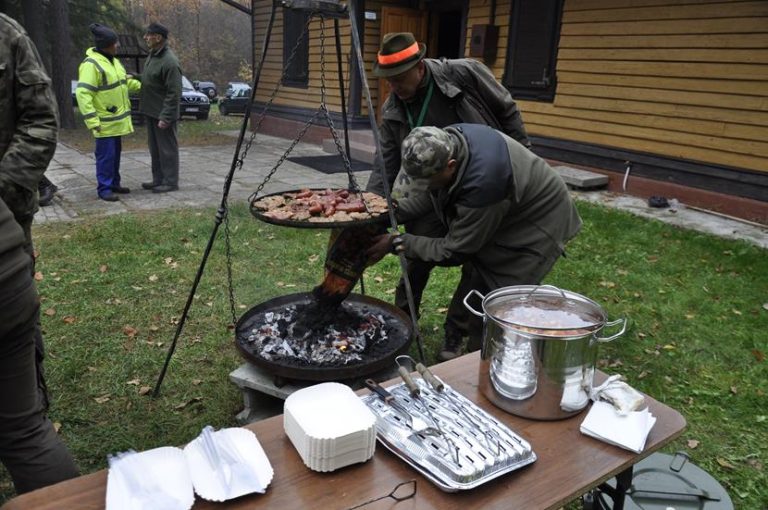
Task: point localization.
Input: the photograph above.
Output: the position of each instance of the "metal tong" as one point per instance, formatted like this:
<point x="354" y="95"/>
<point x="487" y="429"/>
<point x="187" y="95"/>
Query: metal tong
<point x="415" y="393"/>
<point x="417" y="425"/>
<point x="491" y="438"/>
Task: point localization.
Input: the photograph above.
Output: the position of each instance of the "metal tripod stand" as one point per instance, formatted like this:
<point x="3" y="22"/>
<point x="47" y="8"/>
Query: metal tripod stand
<point x="330" y="9"/>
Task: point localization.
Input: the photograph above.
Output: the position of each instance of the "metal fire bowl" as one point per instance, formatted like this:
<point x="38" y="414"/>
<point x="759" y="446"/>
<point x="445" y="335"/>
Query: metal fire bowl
<point x="382" y="218"/>
<point x="398" y="326"/>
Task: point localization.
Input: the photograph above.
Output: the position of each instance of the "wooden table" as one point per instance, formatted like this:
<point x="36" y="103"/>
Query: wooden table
<point x="569" y="464"/>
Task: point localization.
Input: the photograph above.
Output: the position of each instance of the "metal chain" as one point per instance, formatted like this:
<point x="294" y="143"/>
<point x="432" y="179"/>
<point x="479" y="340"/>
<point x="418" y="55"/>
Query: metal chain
<point x="324" y="108"/>
<point x="223" y="213"/>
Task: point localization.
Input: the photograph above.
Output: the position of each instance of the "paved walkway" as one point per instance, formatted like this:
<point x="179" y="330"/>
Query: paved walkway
<point x="203" y="170"/>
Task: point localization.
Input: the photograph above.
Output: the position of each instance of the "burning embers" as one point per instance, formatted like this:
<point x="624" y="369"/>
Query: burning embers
<point x="343" y="340"/>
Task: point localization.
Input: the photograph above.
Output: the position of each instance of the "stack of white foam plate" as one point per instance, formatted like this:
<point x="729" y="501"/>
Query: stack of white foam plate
<point x="329" y="426"/>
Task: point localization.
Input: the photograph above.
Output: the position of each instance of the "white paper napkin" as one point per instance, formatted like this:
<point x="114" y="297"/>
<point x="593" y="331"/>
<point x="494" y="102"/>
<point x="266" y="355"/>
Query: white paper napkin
<point x="628" y="431"/>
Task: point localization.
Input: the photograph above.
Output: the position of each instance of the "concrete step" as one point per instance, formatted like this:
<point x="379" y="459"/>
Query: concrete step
<point x="359" y="150"/>
<point x="581" y="179"/>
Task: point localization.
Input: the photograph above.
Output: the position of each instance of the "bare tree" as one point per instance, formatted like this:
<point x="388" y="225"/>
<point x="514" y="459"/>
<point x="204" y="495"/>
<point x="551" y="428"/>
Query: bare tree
<point x="60" y="55"/>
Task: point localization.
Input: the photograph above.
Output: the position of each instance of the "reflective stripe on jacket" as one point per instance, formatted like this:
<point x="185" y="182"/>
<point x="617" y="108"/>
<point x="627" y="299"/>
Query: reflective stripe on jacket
<point x="102" y="95"/>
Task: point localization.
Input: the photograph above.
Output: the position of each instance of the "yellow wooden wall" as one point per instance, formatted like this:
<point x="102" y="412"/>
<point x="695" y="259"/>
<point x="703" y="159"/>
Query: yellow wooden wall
<point x="677" y="78"/>
<point x="310" y="97"/>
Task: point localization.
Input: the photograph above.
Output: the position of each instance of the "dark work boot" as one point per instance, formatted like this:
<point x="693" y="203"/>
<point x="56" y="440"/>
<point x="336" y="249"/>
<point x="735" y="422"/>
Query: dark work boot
<point x="46" y="194"/>
<point x="451" y="348"/>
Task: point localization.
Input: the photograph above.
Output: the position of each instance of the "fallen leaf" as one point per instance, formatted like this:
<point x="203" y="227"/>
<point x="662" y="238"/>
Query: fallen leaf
<point x="103" y="268"/>
<point x="280" y="284"/>
<point x="652" y="258"/>
<point x="607" y="284"/>
<point x="92" y="369"/>
<point x="69" y="319"/>
<point x="189" y="402"/>
<point x="736" y="311"/>
<point x="435" y="328"/>
<point x="734" y="390"/>
<point x="765" y="306"/>
<point x="668" y="379"/>
<point x="135" y="382"/>
<point x="669" y="347"/>
<point x="50" y="312"/>
<point x="379" y="279"/>
<point x="758" y="354"/>
<point x="693" y="443"/>
<point x="641" y="335"/>
<point x="144" y="390"/>
<point x="724" y="463"/>
<point x="153" y="278"/>
<point x="130" y="331"/>
<point x="136" y="287"/>
<point x="289" y="285"/>
<point x="57" y="426"/>
<point x="102" y="399"/>
<point x="642" y="375"/>
<point x="154" y="328"/>
<point x="622" y="272"/>
<point x="389" y="291"/>
<point x="754" y="463"/>
<point x="168" y="260"/>
<point x="38" y="276"/>
<point x="313" y="258"/>
<point x="442" y="310"/>
<point x="197" y="381"/>
<point x="690" y="316"/>
<point x="242" y="307"/>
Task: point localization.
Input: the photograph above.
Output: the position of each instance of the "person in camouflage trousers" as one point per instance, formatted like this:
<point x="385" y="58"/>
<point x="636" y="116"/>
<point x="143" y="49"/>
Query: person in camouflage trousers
<point x="505" y="209"/>
<point x="435" y="92"/>
<point x="29" y="445"/>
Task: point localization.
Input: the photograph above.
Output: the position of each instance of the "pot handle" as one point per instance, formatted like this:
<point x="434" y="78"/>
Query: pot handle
<point x="603" y="339"/>
<point x="469" y="307"/>
<point x="551" y="287"/>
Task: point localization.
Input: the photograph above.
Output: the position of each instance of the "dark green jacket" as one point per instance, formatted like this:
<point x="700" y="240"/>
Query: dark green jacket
<point x="504" y="201"/>
<point x="161" y="85"/>
<point x="476" y="97"/>
<point x="28" y="120"/>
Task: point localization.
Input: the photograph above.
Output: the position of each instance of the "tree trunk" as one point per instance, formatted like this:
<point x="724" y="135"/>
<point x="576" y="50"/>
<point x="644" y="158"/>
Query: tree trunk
<point x="60" y="52"/>
<point x="34" y="23"/>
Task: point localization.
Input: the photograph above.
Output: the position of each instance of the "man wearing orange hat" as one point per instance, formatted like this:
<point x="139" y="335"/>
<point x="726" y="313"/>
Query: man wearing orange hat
<point x="432" y="92"/>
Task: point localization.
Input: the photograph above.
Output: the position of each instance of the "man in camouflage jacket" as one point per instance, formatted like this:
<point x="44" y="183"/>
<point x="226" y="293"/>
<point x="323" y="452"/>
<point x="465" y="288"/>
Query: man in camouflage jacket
<point x="504" y="209"/>
<point x="431" y="92"/>
<point x="28" y="124"/>
<point x="29" y="445"/>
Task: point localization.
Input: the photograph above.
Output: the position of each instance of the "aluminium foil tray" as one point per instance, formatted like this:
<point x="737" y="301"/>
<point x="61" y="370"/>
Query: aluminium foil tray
<point x="479" y="449"/>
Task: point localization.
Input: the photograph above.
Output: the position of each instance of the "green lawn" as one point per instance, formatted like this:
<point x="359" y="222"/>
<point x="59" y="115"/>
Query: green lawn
<point x="113" y="289"/>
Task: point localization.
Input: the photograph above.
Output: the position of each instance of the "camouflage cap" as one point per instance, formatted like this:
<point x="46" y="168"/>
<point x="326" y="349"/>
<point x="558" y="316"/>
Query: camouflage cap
<point x="426" y="151"/>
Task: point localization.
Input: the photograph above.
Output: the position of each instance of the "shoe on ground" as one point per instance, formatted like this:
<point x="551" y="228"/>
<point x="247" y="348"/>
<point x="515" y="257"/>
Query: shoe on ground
<point x="451" y="349"/>
<point x="46" y="195"/>
<point x="121" y="189"/>
<point x="149" y="185"/>
<point x="109" y="197"/>
<point x="164" y="188"/>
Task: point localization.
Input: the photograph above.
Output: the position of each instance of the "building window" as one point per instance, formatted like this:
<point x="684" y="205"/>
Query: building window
<point x="534" y="33"/>
<point x="297" y="74"/>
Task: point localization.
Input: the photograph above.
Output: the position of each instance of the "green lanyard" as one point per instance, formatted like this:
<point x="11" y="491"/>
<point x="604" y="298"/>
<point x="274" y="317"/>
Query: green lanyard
<point x="424" y="107"/>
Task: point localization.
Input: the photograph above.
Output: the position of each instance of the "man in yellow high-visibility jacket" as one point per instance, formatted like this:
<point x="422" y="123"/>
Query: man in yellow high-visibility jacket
<point x="102" y="97"/>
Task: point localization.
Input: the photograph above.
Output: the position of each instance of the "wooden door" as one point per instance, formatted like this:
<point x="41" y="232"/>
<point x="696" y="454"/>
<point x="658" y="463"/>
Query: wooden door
<point x="400" y="19"/>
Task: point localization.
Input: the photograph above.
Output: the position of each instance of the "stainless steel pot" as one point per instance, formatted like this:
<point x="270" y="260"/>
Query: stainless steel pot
<point x="540" y="349"/>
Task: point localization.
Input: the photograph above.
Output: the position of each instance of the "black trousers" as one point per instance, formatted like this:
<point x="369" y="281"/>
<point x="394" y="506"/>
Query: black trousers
<point x="164" y="150"/>
<point x="30" y="448"/>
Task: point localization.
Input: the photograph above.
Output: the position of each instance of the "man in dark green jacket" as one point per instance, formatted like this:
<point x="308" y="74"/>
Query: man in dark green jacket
<point x="504" y="209"/>
<point x="431" y="92"/>
<point x="160" y="97"/>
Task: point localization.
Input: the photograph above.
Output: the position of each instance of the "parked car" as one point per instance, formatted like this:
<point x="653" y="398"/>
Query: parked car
<point x="235" y="100"/>
<point x="208" y="88"/>
<point x="193" y="103"/>
<point x="232" y="86"/>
